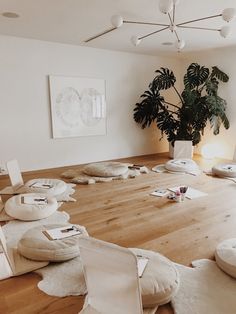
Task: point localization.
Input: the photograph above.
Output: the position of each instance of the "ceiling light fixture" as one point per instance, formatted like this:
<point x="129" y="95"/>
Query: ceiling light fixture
<point x="10" y="15"/>
<point x="168" y="7"/>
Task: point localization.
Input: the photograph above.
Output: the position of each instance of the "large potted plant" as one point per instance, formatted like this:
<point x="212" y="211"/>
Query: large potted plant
<point x="198" y="104"/>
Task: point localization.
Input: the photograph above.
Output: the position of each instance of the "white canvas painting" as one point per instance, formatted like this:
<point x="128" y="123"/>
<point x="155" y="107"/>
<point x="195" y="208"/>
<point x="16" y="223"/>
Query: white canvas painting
<point x="77" y="106"/>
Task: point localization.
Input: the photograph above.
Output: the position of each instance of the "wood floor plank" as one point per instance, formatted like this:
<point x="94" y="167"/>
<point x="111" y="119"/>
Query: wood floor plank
<point x="123" y="212"/>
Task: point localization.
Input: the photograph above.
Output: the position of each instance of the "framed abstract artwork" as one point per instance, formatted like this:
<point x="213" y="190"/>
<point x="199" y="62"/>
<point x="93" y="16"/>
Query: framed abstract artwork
<point x="78" y="106"/>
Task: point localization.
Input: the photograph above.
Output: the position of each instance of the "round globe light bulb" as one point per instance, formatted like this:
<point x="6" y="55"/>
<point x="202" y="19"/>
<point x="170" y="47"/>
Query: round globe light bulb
<point x="225" y="31"/>
<point x="135" y="40"/>
<point x="117" y="21"/>
<point x="228" y="14"/>
<point x="165" y="6"/>
<point x="180" y="44"/>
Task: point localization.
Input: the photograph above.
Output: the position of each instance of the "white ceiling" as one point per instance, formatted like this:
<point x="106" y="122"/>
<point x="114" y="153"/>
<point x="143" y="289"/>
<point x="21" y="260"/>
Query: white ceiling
<point x="73" y="21"/>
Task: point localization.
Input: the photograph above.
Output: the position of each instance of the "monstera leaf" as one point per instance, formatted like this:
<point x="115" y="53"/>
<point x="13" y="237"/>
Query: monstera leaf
<point x="147" y="110"/>
<point x="216" y="72"/>
<point x="165" y="79"/>
<point x="196" y="75"/>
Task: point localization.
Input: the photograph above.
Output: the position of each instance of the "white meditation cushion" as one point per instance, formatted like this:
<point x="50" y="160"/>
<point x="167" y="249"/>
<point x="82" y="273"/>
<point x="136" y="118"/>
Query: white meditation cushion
<point x="181" y="165"/>
<point x="225" y="170"/>
<point x="51" y="187"/>
<point x="225" y="255"/>
<point x="106" y="169"/>
<point x="16" y="208"/>
<point x="36" y="246"/>
<point x="160" y="280"/>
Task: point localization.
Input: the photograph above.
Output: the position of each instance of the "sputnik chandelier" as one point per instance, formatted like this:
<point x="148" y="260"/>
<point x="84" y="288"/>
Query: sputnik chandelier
<point x="168" y="7"/>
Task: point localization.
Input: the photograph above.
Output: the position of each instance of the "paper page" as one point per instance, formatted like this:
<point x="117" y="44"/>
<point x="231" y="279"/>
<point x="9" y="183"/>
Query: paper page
<point x="191" y="193"/>
<point x="34" y="200"/>
<point x="61" y="233"/>
<point x="142" y="263"/>
<point x="160" y="192"/>
<point x="41" y="185"/>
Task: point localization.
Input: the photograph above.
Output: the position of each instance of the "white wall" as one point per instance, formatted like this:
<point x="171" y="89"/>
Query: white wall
<point x="25" y="128"/>
<point x="224" y="58"/>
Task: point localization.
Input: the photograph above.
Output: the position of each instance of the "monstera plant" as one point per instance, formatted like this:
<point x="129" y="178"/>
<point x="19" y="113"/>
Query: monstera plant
<point x="198" y="104"/>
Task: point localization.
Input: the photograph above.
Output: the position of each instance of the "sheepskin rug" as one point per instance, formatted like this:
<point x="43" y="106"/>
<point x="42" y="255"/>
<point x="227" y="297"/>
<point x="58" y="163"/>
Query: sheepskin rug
<point x="204" y="289"/>
<point x="104" y="172"/>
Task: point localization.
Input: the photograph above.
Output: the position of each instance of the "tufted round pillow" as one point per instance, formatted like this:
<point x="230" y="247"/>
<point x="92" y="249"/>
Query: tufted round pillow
<point x="35" y="245"/>
<point x="52" y="187"/>
<point x="106" y="169"/>
<point x="181" y="165"/>
<point x="16" y="208"/>
<point x="225" y="170"/>
<point x="225" y="255"/>
<point x="160" y="280"/>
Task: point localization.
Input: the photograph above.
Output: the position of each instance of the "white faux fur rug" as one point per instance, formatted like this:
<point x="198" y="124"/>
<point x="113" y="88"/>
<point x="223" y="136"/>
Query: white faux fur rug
<point x="63" y="279"/>
<point x="78" y="177"/>
<point x="204" y="289"/>
<point x="66" y="196"/>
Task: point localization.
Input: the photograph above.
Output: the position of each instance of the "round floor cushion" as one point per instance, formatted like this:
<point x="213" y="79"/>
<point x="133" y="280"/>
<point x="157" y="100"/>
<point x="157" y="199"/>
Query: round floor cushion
<point x="17" y="208"/>
<point x="181" y="165"/>
<point x="35" y="245"/>
<point x="160" y="280"/>
<point x="106" y="169"/>
<point x="225" y="170"/>
<point x="225" y="255"/>
<point x="51" y="187"/>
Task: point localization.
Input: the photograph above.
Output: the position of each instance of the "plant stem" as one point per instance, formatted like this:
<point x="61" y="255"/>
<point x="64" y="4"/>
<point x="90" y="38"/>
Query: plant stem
<point x="178" y="95"/>
<point x="168" y="103"/>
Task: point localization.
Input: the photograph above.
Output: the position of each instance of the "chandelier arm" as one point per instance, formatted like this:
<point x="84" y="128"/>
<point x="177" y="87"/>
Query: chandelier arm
<point x="173" y="18"/>
<point x="171" y="21"/>
<point x="177" y="36"/>
<point x="100" y="34"/>
<point x="200" y="19"/>
<point x="202" y="28"/>
<point x="160" y="30"/>
<point x="144" y="23"/>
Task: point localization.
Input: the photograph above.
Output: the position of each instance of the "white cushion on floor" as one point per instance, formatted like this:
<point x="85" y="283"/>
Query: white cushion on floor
<point x="160" y="280"/>
<point x="106" y="169"/>
<point x="57" y="186"/>
<point x="225" y="255"/>
<point x="15" y="208"/>
<point x="36" y="246"/>
<point x="225" y="170"/>
<point x="181" y="165"/>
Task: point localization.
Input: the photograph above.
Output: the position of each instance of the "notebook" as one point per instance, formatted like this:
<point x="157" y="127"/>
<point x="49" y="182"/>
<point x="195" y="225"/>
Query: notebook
<point x="62" y="232"/>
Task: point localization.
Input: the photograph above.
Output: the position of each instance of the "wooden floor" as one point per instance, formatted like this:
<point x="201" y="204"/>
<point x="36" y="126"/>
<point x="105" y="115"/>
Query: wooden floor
<point x="123" y="212"/>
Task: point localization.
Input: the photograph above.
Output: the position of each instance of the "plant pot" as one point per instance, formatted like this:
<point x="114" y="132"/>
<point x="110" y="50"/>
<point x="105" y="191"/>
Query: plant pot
<point x="171" y="151"/>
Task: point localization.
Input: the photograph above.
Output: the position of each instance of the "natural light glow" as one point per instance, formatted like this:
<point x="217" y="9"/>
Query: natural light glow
<point x="210" y="151"/>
